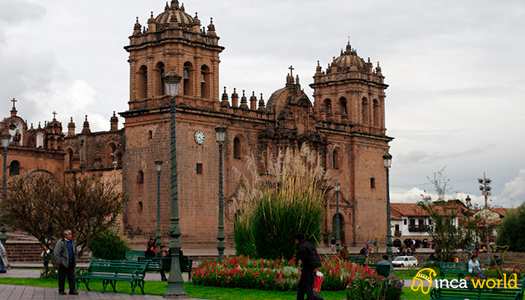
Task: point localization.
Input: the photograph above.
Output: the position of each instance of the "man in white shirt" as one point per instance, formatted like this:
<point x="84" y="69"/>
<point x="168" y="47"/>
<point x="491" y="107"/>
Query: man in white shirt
<point x="473" y="265"/>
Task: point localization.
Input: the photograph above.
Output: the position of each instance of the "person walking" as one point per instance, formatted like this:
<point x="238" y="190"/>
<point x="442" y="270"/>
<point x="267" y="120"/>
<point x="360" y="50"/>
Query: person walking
<point x="310" y="262"/>
<point x="3" y="259"/>
<point x="65" y="260"/>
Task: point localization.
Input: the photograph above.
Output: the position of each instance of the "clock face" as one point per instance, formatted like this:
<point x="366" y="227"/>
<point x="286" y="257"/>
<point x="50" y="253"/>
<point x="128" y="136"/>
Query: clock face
<point x="200" y="137"/>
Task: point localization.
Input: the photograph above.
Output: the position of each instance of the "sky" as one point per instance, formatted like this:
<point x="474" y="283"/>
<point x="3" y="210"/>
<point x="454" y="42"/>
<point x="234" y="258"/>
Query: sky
<point x="455" y="70"/>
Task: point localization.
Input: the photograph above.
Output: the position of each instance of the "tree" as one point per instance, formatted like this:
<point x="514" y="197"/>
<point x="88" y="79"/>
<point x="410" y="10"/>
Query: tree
<point x="43" y="207"/>
<point x="448" y="230"/>
<point x="440" y="183"/>
<point x="510" y="233"/>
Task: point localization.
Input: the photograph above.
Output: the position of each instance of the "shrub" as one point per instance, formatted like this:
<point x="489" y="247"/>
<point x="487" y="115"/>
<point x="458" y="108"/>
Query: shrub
<point x="375" y="289"/>
<point x="273" y="209"/>
<point x="243" y="236"/>
<point x="108" y="245"/>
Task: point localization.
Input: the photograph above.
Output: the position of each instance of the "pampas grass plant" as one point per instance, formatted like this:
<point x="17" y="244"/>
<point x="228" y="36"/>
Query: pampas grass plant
<point x="273" y="208"/>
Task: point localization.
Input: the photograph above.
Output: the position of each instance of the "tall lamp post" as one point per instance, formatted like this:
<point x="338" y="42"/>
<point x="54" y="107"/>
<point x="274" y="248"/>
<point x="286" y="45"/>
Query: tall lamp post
<point x="484" y="187"/>
<point x="221" y="138"/>
<point x="5" y="139"/>
<point x="175" y="281"/>
<point x="158" y="168"/>
<point x="387" y="159"/>
<point x="337" y="219"/>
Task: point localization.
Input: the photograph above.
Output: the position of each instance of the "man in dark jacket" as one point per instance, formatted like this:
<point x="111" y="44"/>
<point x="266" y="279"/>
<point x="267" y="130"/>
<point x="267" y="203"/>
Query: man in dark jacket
<point x="65" y="260"/>
<point x="310" y="261"/>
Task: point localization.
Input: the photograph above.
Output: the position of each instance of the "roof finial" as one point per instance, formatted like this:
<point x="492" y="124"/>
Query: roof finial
<point x="182" y="7"/>
<point x="54" y="115"/>
<point x="291" y="68"/>
<point x="261" y="103"/>
<point x="175" y="4"/>
<point x="167" y="7"/>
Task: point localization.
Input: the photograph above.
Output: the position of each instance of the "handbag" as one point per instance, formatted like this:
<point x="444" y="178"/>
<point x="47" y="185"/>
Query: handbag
<point x="318" y="281"/>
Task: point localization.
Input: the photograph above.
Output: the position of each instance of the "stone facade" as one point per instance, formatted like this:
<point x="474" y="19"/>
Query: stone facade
<point x="345" y="124"/>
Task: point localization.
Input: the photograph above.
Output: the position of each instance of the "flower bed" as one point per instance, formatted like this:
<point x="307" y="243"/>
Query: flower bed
<point x="243" y="272"/>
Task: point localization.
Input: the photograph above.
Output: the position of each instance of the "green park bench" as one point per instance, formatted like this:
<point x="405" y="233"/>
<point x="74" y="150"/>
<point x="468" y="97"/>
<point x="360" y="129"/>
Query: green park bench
<point x="451" y="268"/>
<point x="358" y="259"/>
<point x="134" y="254"/>
<point x="476" y="294"/>
<point x="111" y="271"/>
<point x="156" y="264"/>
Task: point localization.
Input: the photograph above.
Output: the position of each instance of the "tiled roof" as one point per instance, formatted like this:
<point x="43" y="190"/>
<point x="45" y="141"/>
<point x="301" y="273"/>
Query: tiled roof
<point x="408" y="210"/>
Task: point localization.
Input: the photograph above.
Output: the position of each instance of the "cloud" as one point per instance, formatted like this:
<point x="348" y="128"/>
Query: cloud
<point x="513" y="193"/>
<point x="415" y="194"/>
<point x="18" y="11"/>
<point x="419" y="156"/>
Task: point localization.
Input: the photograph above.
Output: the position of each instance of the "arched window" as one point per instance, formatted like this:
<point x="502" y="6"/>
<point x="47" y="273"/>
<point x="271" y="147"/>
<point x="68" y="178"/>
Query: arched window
<point x="142" y="83"/>
<point x="140" y="177"/>
<point x="376" y="113"/>
<point x="335" y="159"/>
<point x="187" y="76"/>
<point x="14" y="168"/>
<point x="328" y="106"/>
<point x="237" y="148"/>
<point x="343" y="109"/>
<point x="159" y="80"/>
<point x="364" y="111"/>
<point x="205" y="82"/>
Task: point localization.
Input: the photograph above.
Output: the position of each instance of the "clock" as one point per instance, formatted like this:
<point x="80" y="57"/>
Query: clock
<point x="200" y="137"/>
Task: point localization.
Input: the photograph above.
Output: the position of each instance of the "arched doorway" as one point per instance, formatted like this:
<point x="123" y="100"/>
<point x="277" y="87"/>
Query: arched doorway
<point x="341" y="227"/>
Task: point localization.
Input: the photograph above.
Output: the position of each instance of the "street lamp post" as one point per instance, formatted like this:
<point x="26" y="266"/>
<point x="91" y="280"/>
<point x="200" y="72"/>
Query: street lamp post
<point x="175" y="281"/>
<point x="484" y="187"/>
<point x="5" y="139"/>
<point x="221" y="138"/>
<point x="337" y="219"/>
<point x="387" y="159"/>
<point x="158" y="168"/>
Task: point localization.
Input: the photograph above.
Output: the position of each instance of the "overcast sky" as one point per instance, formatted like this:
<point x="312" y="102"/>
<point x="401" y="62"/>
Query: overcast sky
<point x="455" y="69"/>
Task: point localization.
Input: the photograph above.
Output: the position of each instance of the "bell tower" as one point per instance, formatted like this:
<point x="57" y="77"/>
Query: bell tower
<point x="351" y="91"/>
<point x="174" y="41"/>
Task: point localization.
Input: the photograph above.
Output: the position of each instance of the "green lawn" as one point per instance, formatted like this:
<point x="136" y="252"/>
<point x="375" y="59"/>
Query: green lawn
<point x="212" y="293"/>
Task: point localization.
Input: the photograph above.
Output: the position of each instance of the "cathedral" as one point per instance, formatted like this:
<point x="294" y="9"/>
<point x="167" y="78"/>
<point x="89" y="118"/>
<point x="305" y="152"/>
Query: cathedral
<point x="344" y="122"/>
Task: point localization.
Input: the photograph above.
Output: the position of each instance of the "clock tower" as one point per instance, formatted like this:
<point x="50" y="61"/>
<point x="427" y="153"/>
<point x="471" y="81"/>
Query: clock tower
<point x="172" y="41"/>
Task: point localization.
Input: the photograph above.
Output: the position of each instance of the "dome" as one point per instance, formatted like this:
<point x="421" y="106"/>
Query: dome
<point x="174" y="14"/>
<point x="348" y="59"/>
